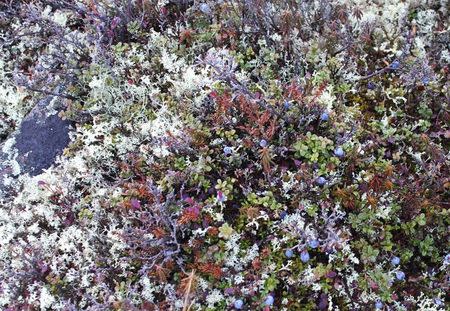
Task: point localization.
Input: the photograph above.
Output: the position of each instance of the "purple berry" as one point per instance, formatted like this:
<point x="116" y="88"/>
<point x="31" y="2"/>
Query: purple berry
<point x="221" y="197"/>
<point x="135" y="203"/>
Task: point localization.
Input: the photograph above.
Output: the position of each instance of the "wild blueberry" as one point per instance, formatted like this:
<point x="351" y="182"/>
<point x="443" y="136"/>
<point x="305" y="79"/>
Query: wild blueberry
<point x="313" y="243"/>
<point x="287" y="105"/>
<point x="400" y="275"/>
<point x="395" y="64"/>
<point x="378" y="305"/>
<point x="289" y="253"/>
<point x="304" y="256"/>
<point x="283" y="214"/>
<point x="227" y="150"/>
<point x="425" y="80"/>
<point x="371" y="85"/>
<point x="263" y="143"/>
<point x="438" y="301"/>
<point x="447" y="259"/>
<point x="238" y="304"/>
<point x="324" y="116"/>
<point x="269" y="300"/>
<point x="321" y="181"/>
<point x="339" y="152"/>
<point x="204" y="7"/>
<point x="395" y="261"/>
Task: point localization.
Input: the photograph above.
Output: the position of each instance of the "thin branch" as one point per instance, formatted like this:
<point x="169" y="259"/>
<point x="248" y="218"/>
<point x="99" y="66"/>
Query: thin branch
<point x="51" y="93"/>
<point x="189" y="286"/>
<point x="376" y="73"/>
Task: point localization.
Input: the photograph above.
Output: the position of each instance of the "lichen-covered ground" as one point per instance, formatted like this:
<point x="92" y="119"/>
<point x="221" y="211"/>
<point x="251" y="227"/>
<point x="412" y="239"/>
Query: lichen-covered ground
<point x="229" y="155"/>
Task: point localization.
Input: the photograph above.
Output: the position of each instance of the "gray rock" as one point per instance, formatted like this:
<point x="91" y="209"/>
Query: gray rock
<point x="40" y="141"/>
<point x="41" y="137"/>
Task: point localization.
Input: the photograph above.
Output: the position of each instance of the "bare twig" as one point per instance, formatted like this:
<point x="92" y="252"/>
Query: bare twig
<point x="376" y="73"/>
<point x="189" y="287"/>
<point x="51" y="93"/>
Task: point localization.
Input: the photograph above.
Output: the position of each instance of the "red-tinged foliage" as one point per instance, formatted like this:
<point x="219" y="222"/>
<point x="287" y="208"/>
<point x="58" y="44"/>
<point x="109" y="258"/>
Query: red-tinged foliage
<point x="210" y="269"/>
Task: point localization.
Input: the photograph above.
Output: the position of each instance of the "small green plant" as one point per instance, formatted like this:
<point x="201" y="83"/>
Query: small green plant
<point x="226" y="186"/>
<point x="267" y="200"/>
<point x="315" y="149"/>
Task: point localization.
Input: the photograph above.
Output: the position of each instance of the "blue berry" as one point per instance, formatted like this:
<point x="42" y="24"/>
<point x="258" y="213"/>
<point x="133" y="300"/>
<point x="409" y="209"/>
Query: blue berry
<point x="283" y="215"/>
<point x="269" y="300"/>
<point x="304" y="256"/>
<point x="238" y="304"/>
<point x="263" y="143"/>
<point x="227" y="150"/>
<point x="339" y="152"/>
<point x="324" y="116"/>
<point x="321" y="181"/>
<point x="395" y="260"/>
<point x="313" y="244"/>
<point x="400" y="275"/>
<point x="371" y="85"/>
<point x="438" y="301"/>
<point x="204" y="7"/>
<point x="395" y="64"/>
<point x="289" y="253"/>
<point x="378" y="305"/>
<point x="426" y="80"/>
<point x="287" y="105"/>
<point x="447" y="259"/>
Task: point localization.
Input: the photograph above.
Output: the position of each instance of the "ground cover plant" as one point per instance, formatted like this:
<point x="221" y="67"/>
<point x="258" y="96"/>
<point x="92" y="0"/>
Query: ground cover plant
<point x="229" y="155"/>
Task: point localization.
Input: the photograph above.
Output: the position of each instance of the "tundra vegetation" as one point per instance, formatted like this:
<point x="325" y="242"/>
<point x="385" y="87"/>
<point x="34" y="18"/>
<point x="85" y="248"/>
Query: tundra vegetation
<point x="229" y="155"/>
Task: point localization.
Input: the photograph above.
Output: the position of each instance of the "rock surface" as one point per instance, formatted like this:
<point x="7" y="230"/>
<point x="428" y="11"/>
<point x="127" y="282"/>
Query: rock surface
<point x="41" y="137"/>
<point x="38" y="143"/>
